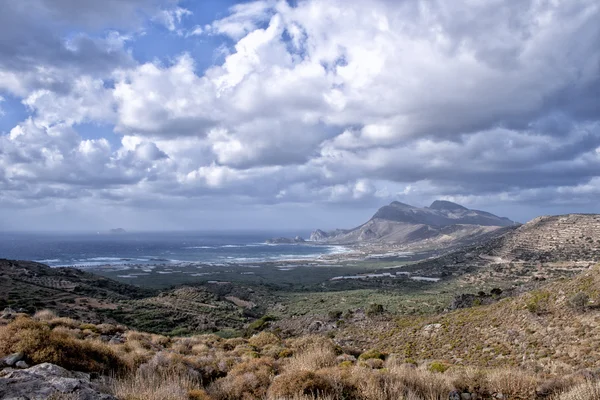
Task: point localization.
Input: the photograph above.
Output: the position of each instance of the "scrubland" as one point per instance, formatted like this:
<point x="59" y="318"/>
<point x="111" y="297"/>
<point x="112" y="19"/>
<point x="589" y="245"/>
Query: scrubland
<point x="140" y="366"/>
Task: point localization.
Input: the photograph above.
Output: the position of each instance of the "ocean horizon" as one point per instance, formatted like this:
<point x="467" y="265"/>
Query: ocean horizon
<point x="98" y="249"/>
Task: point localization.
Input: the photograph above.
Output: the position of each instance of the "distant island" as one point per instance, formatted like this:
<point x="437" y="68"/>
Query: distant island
<point x="117" y="230"/>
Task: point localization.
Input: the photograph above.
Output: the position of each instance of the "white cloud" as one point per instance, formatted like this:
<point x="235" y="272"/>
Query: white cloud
<point x="171" y="18"/>
<point x="323" y="101"/>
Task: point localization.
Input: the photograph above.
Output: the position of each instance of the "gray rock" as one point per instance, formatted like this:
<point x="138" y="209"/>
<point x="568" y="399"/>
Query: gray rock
<point x="465" y="396"/>
<point x="454" y="395"/>
<point x="21" y="364"/>
<point x="116" y="340"/>
<point x="13" y="359"/>
<point x="44" y="380"/>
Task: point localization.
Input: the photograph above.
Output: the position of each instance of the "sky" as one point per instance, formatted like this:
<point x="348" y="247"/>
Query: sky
<point x="274" y="114"/>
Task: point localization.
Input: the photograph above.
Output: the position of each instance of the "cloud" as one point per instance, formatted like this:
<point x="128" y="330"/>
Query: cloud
<point x="319" y="102"/>
<point x="171" y="18"/>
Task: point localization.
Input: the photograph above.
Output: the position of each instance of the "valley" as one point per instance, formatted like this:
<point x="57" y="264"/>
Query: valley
<point x="517" y="298"/>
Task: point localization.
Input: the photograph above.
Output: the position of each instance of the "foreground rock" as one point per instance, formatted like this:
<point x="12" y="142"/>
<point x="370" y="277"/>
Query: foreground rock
<point x="46" y="380"/>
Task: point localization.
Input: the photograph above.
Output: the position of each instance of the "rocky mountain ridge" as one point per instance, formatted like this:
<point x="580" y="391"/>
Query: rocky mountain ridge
<point x="442" y="223"/>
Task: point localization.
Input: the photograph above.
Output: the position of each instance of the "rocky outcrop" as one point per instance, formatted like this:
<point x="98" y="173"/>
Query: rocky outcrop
<point x="46" y="380"/>
<point x="318" y="236"/>
<point x="284" y="240"/>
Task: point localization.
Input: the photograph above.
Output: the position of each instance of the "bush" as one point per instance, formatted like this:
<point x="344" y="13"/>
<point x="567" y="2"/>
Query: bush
<point x="579" y="301"/>
<point x="334" y="315"/>
<point x="375" y="309"/>
<point x="41" y="344"/>
<point x="262" y="339"/>
<point x="372" y="354"/>
<point x="259" y="324"/>
<point x="538" y="302"/>
<point x="320" y="354"/>
<point x="300" y="383"/>
<point x="586" y="391"/>
<point x="247" y="380"/>
<point x="44" y="315"/>
<point x="438" y="366"/>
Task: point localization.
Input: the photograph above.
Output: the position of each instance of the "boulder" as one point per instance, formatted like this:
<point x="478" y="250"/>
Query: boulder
<point x="21" y="364"/>
<point x="12" y="359"/>
<point x="43" y="381"/>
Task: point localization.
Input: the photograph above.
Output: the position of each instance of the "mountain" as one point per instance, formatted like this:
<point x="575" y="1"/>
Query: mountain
<point x="442" y="223"/>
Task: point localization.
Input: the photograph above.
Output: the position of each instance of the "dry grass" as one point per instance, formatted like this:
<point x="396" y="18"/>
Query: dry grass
<point x="44" y="315"/>
<point x="41" y="344"/>
<point x="155" y="386"/>
<point x="312" y="353"/>
<point x="585" y="391"/>
<point x="207" y="367"/>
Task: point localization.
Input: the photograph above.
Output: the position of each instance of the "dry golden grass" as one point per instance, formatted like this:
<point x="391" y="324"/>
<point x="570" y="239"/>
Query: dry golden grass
<point x="41" y="344"/>
<point x="44" y="315"/>
<point x="312" y="354"/>
<point x="155" y="386"/>
<point x="246" y="381"/>
<point x="585" y="391"/>
<point x="206" y="367"/>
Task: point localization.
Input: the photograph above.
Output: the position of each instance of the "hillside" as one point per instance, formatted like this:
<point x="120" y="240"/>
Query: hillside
<point x="29" y="286"/>
<point x="571" y="237"/>
<point x="554" y="328"/>
<point x="538" y="345"/>
<point x="442" y="224"/>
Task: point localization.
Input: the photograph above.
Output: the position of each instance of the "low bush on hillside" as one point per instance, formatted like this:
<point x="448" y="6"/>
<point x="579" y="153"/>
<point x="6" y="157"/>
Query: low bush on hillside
<point x="267" y="367"/>
<point x="41" y="344"/>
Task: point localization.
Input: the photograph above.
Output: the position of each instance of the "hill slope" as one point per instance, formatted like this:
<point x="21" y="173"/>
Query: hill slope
<point x="443" y="223"/>
<point x="571" y="237"/>
<point x="27" y="286"/>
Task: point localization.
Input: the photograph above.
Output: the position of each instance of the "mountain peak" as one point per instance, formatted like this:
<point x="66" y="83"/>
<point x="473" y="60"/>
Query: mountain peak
<point x="446" y="205"/>
<point x="398" y="204"/>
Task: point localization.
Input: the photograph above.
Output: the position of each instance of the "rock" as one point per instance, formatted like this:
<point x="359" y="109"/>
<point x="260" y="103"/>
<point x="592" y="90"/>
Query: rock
<point x="454" y="395"/>
<point x="8" y="313"/>
<point x="315" y="326"/>
<point x="116" y="340"/>
<point x="13" y="359"/>
<point x="284" y="240"/>
<point x="42" y="381"/>
<point x="318" y="236"/>
<point x="21" y="364"/>
<point x="465" y="396"/>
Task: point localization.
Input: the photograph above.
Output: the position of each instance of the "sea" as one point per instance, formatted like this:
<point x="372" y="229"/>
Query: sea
<point x="97" y="249"/>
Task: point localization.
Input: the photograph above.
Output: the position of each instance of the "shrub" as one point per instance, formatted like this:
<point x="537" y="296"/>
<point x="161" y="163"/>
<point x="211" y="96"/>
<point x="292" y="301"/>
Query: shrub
<point x="247" y="380"/>
<point x="259" y="324"/>
<point x="300" y="383"/>
<point x="439" y="367"/>
<point x="579" y="301"/>
<point x="372" y="354"/>
<point x="374" y="309"/>
<point x="156" y="386"/>
<point x="585" y="391"/>
<point x="316" y="356"/>
<point x="538" y="302"/>
<point x="44" y="315"/>
<point x="262" y="339"/>
<point x="198" y="394"/>
<point x="41" y="344"/>
<point x="512" y="383"/>
<point x="334" y="315"/>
